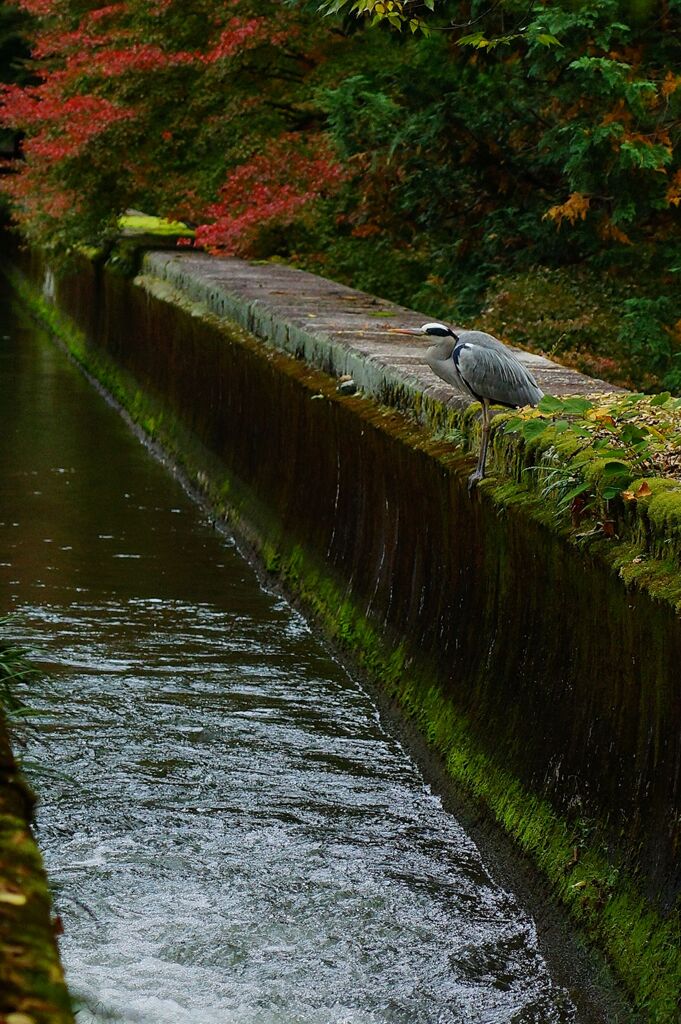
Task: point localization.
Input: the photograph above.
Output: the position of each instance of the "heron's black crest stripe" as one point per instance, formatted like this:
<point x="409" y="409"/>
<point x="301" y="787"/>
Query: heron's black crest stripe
<point x="440" y="331"/>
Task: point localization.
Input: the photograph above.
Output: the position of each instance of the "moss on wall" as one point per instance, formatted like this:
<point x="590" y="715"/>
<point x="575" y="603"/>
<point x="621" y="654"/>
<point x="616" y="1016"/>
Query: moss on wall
<point x="32" y="988"/>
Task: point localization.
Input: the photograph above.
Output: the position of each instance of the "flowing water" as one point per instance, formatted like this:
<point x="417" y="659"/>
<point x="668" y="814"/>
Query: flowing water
<point x="232" y="834"/>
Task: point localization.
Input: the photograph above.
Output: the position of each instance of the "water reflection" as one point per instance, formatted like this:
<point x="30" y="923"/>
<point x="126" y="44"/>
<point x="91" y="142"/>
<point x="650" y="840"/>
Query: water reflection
<point x="234" y="837"/>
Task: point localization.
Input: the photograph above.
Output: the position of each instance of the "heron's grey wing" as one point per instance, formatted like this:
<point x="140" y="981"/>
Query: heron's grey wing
<point x="493" y="372"/>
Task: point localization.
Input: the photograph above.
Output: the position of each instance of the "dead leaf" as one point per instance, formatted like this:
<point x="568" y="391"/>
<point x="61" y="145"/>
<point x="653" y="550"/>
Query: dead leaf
<point x="603" y="417"/>
<point x="644" y="490"/>
<point x="577" y="509"/>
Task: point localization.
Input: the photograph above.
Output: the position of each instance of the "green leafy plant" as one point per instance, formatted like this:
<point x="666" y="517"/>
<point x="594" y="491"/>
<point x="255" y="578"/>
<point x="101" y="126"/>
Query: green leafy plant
<point x="16" y="674"/>
<point x="595" y="451"/>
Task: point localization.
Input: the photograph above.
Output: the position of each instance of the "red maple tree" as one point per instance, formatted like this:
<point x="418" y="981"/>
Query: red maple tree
<point x="134" y="105"/>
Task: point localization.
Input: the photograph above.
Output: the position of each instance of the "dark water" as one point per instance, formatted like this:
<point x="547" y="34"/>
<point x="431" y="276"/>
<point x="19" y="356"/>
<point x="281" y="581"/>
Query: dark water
<point x="232" y="834"/>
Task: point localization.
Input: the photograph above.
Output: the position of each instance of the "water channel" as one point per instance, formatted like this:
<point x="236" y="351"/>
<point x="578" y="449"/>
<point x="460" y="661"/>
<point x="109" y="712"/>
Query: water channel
<point x="232" y="834"/>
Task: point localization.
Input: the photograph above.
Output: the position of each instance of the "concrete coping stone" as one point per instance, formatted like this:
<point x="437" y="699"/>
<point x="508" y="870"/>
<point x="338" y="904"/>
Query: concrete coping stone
<point x="333" y="327"/>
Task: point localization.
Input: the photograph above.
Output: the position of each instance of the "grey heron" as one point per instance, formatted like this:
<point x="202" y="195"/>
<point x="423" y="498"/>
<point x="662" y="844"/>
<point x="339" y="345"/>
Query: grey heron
<point x="482" y="367"/>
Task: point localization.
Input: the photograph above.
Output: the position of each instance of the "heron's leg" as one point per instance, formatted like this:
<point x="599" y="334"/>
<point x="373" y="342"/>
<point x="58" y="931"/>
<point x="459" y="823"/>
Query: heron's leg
<point x="476" y="477"/>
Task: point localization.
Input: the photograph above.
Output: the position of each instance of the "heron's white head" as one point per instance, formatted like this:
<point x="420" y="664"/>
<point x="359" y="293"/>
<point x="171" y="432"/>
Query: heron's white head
<point x="439" y="332"/>
<point x="436" y="330"/>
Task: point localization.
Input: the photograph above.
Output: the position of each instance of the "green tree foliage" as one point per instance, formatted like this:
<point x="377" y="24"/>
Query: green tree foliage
<point x="414" y="149"/>
<point x="398" y="14"/>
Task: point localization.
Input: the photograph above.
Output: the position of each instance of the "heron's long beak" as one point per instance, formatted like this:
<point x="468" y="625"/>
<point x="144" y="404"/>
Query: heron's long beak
<point x="407" y="330"/>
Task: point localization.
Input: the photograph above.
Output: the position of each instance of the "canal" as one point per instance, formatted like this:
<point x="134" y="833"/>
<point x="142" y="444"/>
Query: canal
<point x="232" y="834"/>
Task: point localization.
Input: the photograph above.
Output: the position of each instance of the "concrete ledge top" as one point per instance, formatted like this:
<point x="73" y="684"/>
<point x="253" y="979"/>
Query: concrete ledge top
<point x="332" y="327"/>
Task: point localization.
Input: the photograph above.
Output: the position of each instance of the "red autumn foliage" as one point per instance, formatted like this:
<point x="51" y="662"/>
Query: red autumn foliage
<point x="139" y="57"/>
<point x="66" y="124"/>
<point x="273" y="186"/>
<point x="107" y="87"/>
<point x="39" y="8"/>
<point x="238" y="35"/>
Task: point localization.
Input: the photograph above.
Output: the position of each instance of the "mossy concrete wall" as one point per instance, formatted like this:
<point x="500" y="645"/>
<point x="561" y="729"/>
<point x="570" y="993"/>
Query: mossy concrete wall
<point x="550" y="688"/>
<point x="32" y="988"/>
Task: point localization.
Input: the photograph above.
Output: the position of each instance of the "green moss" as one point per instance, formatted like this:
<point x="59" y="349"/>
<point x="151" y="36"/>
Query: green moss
<point x="271" y="558"/>
<point x="30" y="970"/>
<point x="31" y="979"/>
<point x="664" y="512"/>
<point x="142" y="223"/>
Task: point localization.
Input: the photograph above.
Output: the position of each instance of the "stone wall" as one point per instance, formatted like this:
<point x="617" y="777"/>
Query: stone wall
<point x="550" y="689"/>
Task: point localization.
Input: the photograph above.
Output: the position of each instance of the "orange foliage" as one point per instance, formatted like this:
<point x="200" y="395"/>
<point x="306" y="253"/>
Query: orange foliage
<point x="609" y="232"/>
<point x="573" y="209"/>
<point x="619" y="115"/>
<point x="674" y="190"/>
<point x="671" y="84"/>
